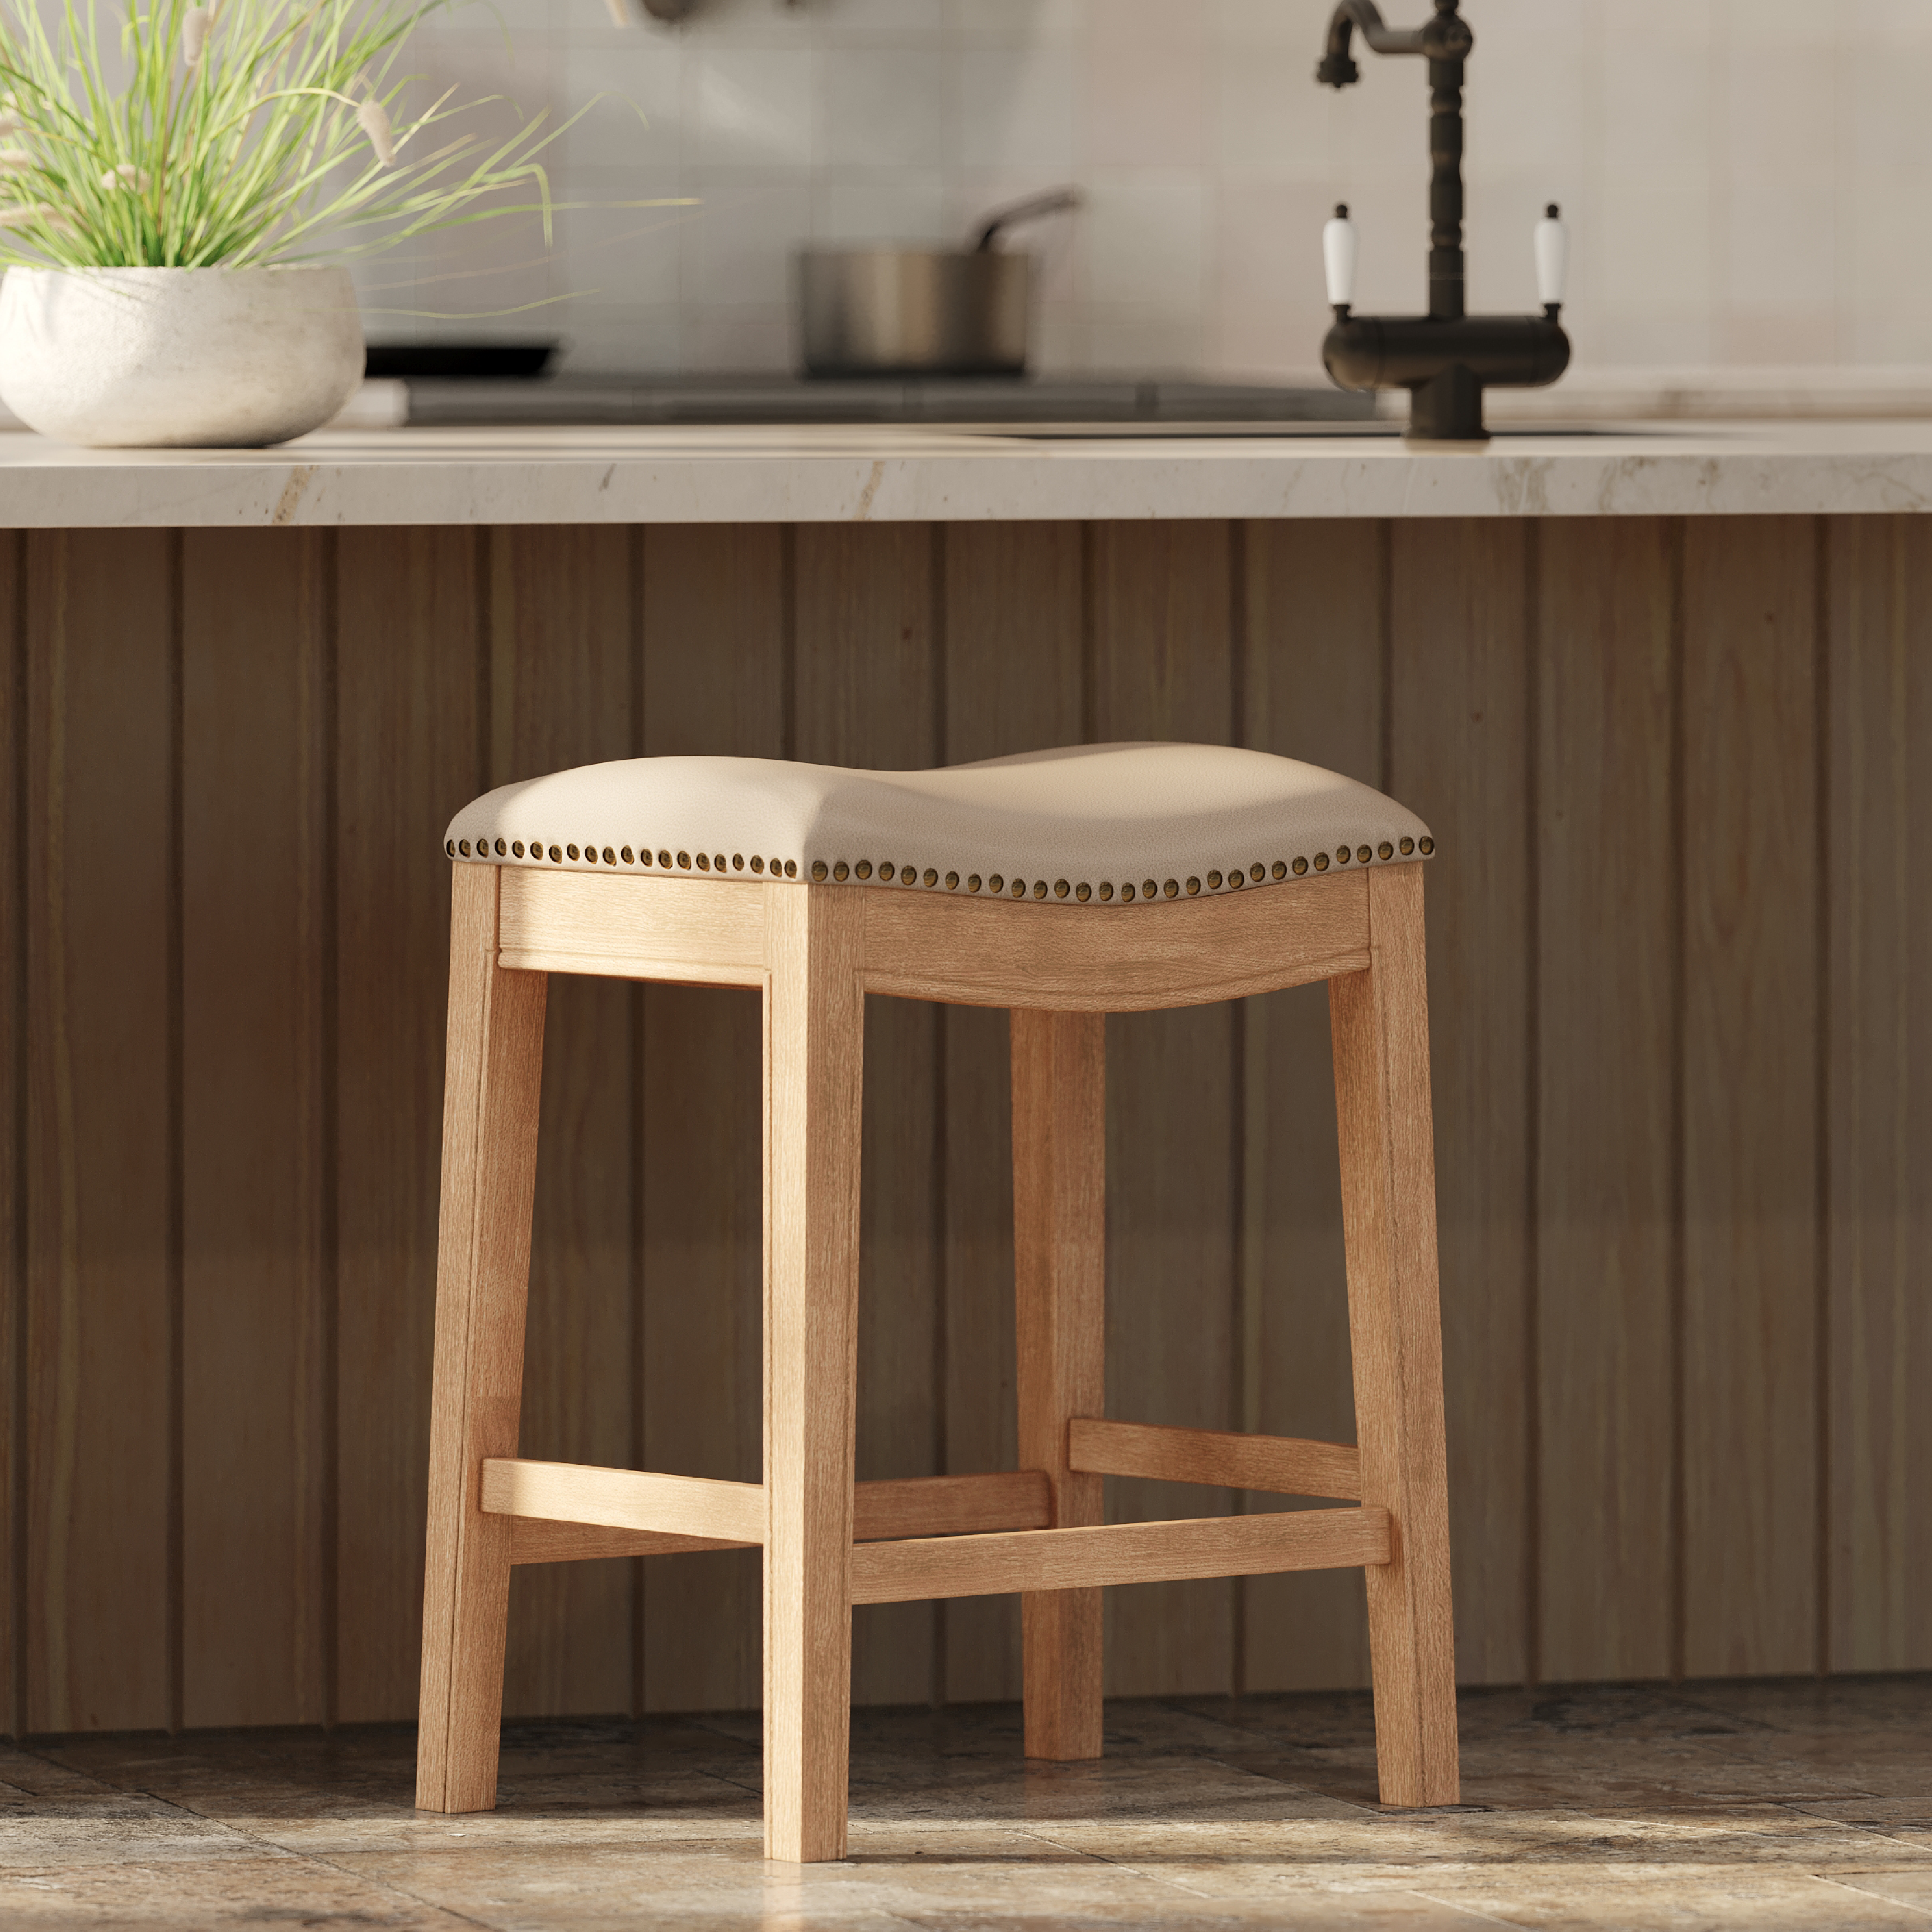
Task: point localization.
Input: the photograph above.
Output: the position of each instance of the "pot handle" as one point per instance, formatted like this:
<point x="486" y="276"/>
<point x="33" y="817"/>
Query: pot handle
<point x="1055" y="201"/>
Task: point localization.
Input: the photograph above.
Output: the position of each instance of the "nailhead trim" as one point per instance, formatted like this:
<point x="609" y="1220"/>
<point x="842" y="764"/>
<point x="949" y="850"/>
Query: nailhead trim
<point x="890" y="870"/>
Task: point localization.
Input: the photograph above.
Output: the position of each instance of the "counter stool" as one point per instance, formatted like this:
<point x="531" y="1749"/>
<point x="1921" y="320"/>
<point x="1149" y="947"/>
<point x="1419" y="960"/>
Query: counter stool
<point x="1064" y="885"/>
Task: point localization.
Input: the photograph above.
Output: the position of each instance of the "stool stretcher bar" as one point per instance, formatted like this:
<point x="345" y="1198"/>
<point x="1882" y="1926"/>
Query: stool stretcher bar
<point x="565" y="1512"/>
<point x="1283" y="1465"/>
<point x="1119" y="1552"/>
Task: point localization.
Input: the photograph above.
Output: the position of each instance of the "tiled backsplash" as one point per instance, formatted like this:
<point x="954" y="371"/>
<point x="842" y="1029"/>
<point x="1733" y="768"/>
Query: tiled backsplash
<point x="1742" y="179"/>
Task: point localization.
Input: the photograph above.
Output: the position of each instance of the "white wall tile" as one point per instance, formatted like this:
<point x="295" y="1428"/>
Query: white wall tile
<point x="1745" y="179"/>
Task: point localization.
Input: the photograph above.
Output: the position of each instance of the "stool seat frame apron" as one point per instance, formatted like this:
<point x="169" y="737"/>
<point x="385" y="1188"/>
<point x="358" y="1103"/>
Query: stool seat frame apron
<point x="814" y="951"/>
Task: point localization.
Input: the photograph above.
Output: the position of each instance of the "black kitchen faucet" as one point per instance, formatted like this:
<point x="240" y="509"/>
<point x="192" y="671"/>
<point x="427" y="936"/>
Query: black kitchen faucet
<point x="1446" y="358"/>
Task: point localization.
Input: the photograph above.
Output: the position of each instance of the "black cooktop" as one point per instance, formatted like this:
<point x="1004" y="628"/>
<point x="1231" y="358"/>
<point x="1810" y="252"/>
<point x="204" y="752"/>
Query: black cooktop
<point x="755" y="399"/>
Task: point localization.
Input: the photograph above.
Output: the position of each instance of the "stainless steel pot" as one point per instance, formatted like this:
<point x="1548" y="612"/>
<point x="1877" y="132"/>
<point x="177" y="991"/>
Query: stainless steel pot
<point x="922" y="311"/>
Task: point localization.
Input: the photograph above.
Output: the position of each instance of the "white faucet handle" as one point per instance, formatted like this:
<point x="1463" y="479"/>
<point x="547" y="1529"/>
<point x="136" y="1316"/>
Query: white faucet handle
<point x="1338" y="256"/>
<point x="1552" y="240"/>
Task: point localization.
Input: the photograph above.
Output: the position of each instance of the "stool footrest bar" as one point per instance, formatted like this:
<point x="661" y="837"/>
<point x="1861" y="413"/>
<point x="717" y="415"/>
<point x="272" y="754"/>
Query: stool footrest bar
<point x="634" y="1499"/>
<point x="1283" y="1465"/>
<point x="915" y="1570"/>
<point x="907" y="1506"/>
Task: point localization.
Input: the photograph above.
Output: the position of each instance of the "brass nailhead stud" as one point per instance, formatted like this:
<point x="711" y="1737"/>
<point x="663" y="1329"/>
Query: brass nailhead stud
<point x="757" y="864"/>
<point x="863" y="868"/>
<point x="501" y="848"/>
<point x="1322" y="862"/>
<point x="1126" y="895"/>
<point x="932" y="877"/>
<point x="951" y="881"/>
<point x="590" y="855"/>
<point x="1385" y="850"/>
<point x="624" y="853"/>
<point x="818" y="868"/>
<point x="517" y="847"/>
<point x="791" y="869"/>
<point x="1018" y="889"/>
<point x="704" y="862"/>
<point x="463" y="846"/>
<point x="644" y="858"/>
<point x="1172" y="888"/>
<point x="1213" y="882"/>
<point x="1425" y="846"/>
<point x="1342" y="855"/>
<point x="571" y="850"/>
<point x="886" y="869"/>
<point x="1061" y="888"/>
<point x="973" y="882"/>
<point x="610" y="858"/>
<point x="1106" y="889"/>
<point x="1281" y="871"/>
<point x="1363" y="852"/>
<point x="737" y="862"/>
<point x="1148" y="888"/>
<point x="1300" y="867"/>
<point x="1083" y="892"/>
<point x="1408" y="846"/>
<point x="1193" y="889"/>
<point x="1236" y="880"/>
<point x="556" y="856"/>
<point x="664" y="860"/>
<point x="719" y="861"/>
<point x="449" y="846"/>
<point x="842" y="870"/>
<point x="684" y="861"/>
<point x="1258" y="872"/>
<point x="996" y="884"/>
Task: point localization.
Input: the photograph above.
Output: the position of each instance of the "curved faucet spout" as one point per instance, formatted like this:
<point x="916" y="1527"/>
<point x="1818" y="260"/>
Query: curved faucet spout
<point x="1338" y="69"/>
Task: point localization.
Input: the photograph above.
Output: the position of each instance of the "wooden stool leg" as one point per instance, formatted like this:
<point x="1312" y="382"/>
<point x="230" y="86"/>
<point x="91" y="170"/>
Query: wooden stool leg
<point x="1060" y="1225"/>
<point x="1380" y="1021"/>
<point x="490" y="1096"/>
<point x="814" y="1045"/>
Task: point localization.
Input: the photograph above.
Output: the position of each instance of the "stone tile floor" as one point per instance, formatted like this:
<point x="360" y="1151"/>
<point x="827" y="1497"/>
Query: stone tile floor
<point x="1791" y="1803"/>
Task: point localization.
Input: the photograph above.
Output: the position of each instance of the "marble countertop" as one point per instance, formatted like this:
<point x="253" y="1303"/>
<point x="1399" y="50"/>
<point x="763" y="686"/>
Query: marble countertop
<point x="887" y="473"/>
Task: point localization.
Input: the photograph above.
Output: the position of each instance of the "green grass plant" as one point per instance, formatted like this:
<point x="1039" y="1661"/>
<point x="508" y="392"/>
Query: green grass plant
<point x="248" y="133"/>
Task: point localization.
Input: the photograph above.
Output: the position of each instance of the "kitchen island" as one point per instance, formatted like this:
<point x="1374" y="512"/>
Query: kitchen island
<point x="1659" y="694"/>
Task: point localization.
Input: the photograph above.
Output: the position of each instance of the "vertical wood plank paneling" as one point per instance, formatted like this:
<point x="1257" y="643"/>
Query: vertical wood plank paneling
<point x="1750" y="1098"/>
<point x="563" y="693"/>
<point x="866" y="696"/>
<point x="1163" y="668"/>
<point x="1607" y="1022"/>
<point x="13" y="1136"/>
<point x="714" y="672"/>
<point x="255" y="1445"/>
<point x="408" y="642"/>
<point x="1312" y="678"/>
<point x="1879" y="1118"/>
<point x="100" y="1117"/>
<point x="1015" y="617"/>
<point x="1458" y="745"/>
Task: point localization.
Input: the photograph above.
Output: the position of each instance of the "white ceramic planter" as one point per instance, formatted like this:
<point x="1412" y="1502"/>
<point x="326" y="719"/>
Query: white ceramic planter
<point x="180" y="358"/>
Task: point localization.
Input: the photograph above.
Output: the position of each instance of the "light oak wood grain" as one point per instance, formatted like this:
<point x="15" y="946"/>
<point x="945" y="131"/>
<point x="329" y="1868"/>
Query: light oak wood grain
<point x="1060" y="1273"/>
<point x="1063" y="1560"/>
<point x="1114" y="959"/>
<point x="256" y="1436"/>
<point x="625" y="1499"/>
<point x="563" y="691"/>
<point x="1750" y="1075"/>
<point x="1380" y="1020"/>
<point x="1606" y="955"/>
<point x="100" y="1119"/>
<point x="1283" y="1464"/>
<point x="406" y="641"/>
<point x="815" y="1042"/>
<point x="633" y="925"/>
<point x="1878" y="1117"/>
<point x="494" y="1061"/>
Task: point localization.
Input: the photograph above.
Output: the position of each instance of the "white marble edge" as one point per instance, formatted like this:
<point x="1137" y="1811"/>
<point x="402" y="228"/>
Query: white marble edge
<point x="824" y="474"/>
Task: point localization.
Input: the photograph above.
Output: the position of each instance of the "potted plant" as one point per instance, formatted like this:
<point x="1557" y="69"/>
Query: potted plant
<point x="178" y="193"/>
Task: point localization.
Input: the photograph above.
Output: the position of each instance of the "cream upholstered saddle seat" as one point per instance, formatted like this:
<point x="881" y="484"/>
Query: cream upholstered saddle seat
<point x="1105" y="823"/>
